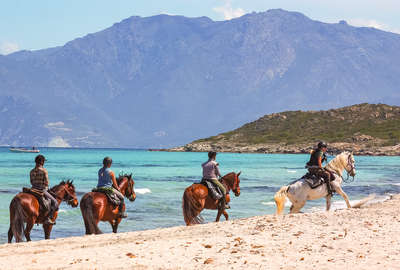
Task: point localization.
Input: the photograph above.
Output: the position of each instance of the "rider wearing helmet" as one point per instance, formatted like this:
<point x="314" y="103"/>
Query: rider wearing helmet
<point x="40" y="181"/>
<point x="314" y="166"/>
<point x="210" y="173"/>
<point x="107" y="181"/>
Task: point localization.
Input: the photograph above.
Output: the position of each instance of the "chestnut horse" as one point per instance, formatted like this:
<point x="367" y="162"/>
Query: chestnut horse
<point x="95" y="206"/>
<point x="196" y="198"/>
<point x="24" y="208"/>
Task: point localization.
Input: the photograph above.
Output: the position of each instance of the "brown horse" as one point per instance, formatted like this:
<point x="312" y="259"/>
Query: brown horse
<point x="24" y="208"/>
<point x="95" y="206"/>
<point x="196" y="198"/>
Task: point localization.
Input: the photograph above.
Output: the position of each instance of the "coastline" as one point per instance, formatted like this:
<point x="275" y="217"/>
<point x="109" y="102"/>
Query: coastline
<point x="357" y="238"/>
<point x="359" y="149"/>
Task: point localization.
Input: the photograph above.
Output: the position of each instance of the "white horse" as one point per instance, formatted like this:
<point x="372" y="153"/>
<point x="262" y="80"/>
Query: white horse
<point x="299" y="192"/>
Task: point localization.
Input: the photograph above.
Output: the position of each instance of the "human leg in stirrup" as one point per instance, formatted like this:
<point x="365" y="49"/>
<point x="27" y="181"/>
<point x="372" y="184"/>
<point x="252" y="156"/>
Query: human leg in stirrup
<point x="121" y="208"/>
<point x="53" y="208"/>
<point x="222" y="202"/>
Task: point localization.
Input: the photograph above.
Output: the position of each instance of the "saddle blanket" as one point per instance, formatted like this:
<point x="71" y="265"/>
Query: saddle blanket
<point x="111" y="196"/>
<point x="214" y="190"/>
<point x="44" y="203"/>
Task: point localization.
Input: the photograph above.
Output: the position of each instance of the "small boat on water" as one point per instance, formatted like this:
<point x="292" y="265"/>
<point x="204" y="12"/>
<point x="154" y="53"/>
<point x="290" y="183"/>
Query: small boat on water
<point x="24" y="150"/>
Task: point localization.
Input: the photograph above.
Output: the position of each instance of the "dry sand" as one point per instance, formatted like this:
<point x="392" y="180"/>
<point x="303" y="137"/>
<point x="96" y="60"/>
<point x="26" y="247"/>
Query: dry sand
<point x="366" y="238"/>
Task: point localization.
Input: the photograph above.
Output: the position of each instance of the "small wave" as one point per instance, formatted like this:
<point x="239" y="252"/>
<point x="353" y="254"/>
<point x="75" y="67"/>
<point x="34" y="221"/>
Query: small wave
<point x="291" y="171"/>
<point x="287" y="203"/>
<point x="142" y="190"/>
<point x="396" y="184"/>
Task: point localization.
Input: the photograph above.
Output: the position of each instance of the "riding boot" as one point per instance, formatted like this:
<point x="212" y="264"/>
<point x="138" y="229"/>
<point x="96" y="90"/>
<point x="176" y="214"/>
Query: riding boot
<point x="49" y="220"/>
<point x="121" y="212"/>
<point x="222" y="204"/>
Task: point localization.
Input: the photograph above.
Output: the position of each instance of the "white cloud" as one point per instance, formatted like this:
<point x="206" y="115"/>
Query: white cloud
<point x="160" y="133"/>
<point x="228" y="11"/>
<point x="58" y="142"/>
<point x="7" y="47"/>
<point x="372" y="23"/>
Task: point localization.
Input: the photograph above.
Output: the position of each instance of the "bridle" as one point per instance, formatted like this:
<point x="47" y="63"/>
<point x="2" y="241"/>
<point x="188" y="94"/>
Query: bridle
<point x="350" y="167"/>
<point x="129" y="189"/>
<point x="69" y="198"/>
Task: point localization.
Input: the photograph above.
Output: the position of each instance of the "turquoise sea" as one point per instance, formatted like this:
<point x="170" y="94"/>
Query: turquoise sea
<point x="161" y="177"/>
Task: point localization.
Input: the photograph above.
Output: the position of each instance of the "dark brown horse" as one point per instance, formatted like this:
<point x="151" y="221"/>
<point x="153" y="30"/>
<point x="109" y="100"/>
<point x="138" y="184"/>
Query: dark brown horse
<point x="196" y="198"/>
<point x="95" y="206"/>
<point x="24" y="208"/>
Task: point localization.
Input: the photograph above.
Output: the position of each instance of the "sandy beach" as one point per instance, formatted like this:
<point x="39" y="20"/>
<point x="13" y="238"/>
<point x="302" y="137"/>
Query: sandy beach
<point x="364" y="238"/>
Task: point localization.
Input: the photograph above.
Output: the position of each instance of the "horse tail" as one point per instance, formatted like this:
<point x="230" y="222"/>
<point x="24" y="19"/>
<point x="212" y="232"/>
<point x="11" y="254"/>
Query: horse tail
<point x="280" y="199"/>
<point x="17" y="218"/>
<point x="87" y="214"/>
<point x="191" y="208"/>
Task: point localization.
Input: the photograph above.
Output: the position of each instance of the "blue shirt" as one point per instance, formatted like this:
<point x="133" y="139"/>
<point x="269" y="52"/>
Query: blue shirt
<point x="104" y="178"/>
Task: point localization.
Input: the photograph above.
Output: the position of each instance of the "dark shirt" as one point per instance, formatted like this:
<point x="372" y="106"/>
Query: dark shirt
<point x="39" y="178"/>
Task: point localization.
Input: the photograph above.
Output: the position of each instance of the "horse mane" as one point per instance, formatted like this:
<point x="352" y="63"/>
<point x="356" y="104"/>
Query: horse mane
<point x="62" y="183"/>
<point x="336" y="163"/>
<point x="121" y="176"/>
<point x="228" y="179"/>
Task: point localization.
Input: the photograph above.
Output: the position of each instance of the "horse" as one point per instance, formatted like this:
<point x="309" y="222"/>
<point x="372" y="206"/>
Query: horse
<point x="196" y="198"/>
<point x="24" y="208"/>
<point x="299" y="191"/>
<point x="95" y="206"/>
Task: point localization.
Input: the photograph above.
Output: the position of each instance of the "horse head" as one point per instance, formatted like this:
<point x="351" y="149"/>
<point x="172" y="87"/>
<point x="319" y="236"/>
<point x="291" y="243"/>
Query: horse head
<point x="129" y="189"/>
<point x="343" y="161"/>
<point x="66" y="192"/>
<point x="350" y="167"/>
<point x="233" y="182"/>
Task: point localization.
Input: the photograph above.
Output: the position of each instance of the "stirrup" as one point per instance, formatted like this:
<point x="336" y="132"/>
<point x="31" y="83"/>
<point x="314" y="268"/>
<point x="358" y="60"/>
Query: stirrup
<point x="122" y="215"/>
<point x="48" y="221"/>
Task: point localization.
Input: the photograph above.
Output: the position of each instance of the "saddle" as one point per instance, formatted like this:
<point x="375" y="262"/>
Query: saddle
<point x="44" y="203"/>
<point x="111" y="196"/>
<point x="315" y="181"/>
<point x="214" y="191"/>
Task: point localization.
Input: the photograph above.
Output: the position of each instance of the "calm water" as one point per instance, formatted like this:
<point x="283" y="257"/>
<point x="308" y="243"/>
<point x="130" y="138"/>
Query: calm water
<point x="161" y="177"/>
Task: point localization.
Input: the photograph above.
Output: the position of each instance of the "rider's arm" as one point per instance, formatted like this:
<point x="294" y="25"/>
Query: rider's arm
<point x="217" y="171"/>
<point x="114" y="181"/>
<point x="320" y="162"/>
<point x="46" y="177"/>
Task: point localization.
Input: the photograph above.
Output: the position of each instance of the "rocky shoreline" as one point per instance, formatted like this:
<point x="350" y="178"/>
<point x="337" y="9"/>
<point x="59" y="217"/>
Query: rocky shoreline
<point x="358" y="148"/>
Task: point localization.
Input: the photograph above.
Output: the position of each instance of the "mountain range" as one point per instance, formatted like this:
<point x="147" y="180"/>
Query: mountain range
<point x="167" y="80"/>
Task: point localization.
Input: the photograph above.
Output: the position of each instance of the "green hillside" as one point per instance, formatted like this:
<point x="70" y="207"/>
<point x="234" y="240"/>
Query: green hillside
<point x="380" y="121"/>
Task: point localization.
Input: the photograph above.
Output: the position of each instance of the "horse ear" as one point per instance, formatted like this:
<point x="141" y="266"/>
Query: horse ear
<point x="130" y="176"/>
<point x="71" y="182"/>
<point x="239" y="173"/>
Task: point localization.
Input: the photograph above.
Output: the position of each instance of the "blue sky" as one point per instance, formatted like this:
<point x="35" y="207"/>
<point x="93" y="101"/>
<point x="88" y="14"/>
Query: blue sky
<point x="37" y="24"/>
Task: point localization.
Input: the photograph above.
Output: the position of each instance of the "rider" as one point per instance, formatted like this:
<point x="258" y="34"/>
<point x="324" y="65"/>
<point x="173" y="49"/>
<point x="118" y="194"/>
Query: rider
<point x="107" y="180"/>
<point x="40" y="181"/>
<point x="210" y="173"/>
<point x="314" y="166"/>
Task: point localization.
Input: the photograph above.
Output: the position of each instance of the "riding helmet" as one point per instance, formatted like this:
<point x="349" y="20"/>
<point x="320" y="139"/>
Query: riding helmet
<point x="322" y="144"/>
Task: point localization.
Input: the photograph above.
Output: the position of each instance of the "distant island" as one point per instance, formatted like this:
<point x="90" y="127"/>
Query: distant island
<point x="365" y="129"/>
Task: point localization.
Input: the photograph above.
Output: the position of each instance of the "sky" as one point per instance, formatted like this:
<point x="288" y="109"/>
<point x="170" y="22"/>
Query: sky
<point x="39" y="24"/>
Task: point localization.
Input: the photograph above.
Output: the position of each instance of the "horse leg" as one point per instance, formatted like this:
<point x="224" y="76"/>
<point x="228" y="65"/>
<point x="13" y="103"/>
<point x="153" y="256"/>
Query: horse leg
<point x="218" y="215"/>
<point x="225" y="215"/>
<point x="10" y="235"/>
<point x="328" y="202"/>
<point x="295" y="208"/>
<point x="115" y="224"/>
<point x="340" y="191"/>
<point x="47" y="230"/>
<point x="28" y="228"/>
